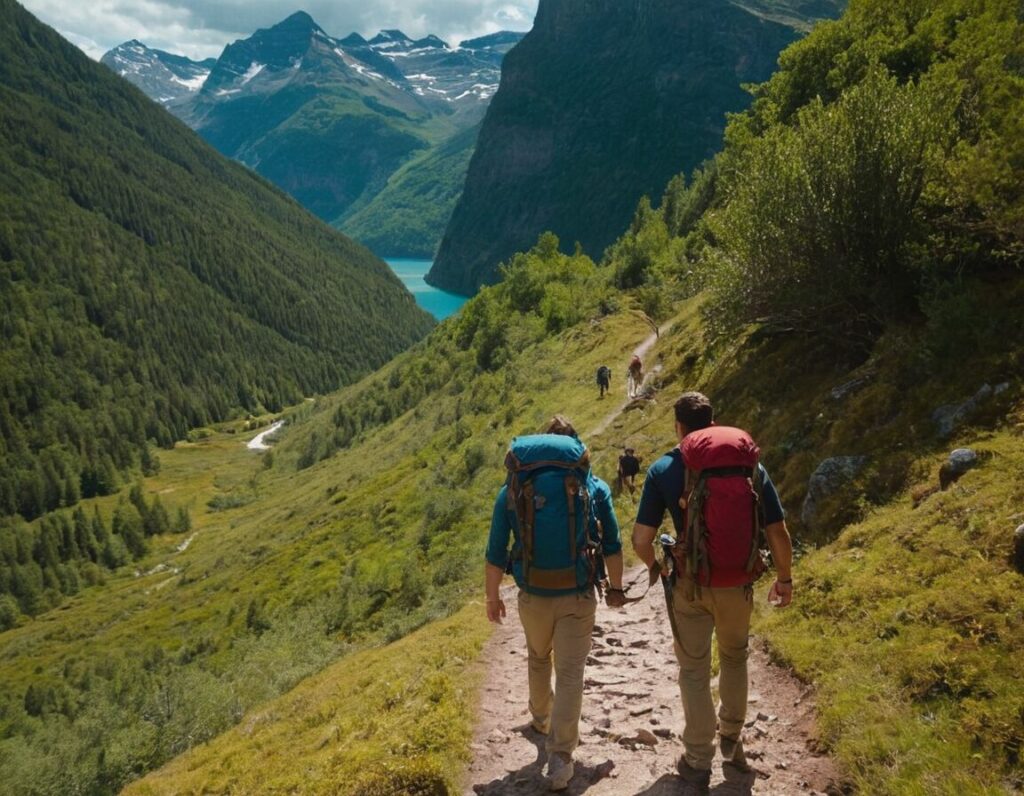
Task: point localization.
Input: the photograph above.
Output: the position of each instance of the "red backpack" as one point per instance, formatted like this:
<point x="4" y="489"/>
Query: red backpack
<point x="724" y="535"/>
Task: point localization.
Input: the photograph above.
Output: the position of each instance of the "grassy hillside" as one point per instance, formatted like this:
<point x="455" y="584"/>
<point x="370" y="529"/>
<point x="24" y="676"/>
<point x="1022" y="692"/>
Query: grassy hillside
<point x="289" y="569"/>
<point x="873" y="610"/>
<point x="149" y="285"/>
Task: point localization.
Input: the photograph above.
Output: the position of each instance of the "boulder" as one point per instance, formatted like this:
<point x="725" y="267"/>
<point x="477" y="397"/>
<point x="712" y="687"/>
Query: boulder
<point x="950" y="417"/>
<point x="959" y="462"/>
<point x="831" y="476"/>
<point x="1018" y="549"/>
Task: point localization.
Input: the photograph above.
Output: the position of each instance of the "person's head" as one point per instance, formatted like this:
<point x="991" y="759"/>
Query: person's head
<point x="629" y="451"/>
<point x="560" y="424"/>
<point x="693" y="412"/>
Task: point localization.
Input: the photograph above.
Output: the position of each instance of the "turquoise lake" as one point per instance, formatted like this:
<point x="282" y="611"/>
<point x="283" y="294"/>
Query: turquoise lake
<point x="438" y="303"/>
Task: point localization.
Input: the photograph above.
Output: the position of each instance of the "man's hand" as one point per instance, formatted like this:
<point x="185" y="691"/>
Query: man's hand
<point x="615" y="598"/>
<point x="781" y="594"/>
<point x="496" y="610"/>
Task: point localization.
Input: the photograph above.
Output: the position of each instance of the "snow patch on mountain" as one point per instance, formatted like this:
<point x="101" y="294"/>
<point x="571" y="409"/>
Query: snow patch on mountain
<point x="193" y="84"/>
<point x="253" y="70"/>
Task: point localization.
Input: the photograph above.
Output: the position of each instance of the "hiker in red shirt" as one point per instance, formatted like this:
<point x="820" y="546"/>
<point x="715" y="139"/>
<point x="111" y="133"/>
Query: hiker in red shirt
<point x="725" y="509"/>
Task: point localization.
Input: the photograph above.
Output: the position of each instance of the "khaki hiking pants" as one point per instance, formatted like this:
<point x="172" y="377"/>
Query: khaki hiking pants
<point x="563" y="626"/>
<point x="726" y="612"/>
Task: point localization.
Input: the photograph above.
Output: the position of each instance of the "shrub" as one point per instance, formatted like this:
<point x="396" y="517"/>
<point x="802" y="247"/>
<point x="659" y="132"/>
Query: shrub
<point x="9" y="612"/>
<point x="822" y="218"/>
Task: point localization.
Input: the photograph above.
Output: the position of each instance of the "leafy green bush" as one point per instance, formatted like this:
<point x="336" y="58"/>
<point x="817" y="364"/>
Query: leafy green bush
<point x="9" y="612"/>
<point x="821" y="219"/>
<point x="233" y="501"/>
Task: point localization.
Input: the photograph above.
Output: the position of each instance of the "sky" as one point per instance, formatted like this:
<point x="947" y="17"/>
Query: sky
<point x="201" y="28"/>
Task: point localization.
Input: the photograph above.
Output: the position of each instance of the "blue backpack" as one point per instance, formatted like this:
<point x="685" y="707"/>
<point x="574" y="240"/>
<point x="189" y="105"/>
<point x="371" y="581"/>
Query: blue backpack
<point x="550" y="497"/>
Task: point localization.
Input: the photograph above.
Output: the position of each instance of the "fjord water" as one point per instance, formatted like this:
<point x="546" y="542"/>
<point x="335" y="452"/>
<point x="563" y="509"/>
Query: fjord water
<point x="439" y="303"/>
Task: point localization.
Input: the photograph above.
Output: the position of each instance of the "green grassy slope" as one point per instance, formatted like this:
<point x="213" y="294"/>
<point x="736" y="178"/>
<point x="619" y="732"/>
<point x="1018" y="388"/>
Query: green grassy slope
<point x="311" y="565"/>
<point x="916" y="678"/>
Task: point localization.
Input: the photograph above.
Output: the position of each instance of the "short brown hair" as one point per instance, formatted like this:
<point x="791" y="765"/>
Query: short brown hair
<point x="560" y="424"/>
<point x="694" y="410"/>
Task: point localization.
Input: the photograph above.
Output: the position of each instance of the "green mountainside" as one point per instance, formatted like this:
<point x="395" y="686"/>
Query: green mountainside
<point x="407" y="217"/>
<point x="318" y="618"/>
<point x="600" y="104"/>
<point x="148" y="286"/>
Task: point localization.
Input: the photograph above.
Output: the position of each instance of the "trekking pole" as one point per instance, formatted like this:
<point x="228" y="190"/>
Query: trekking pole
<point x="668" y="582"/>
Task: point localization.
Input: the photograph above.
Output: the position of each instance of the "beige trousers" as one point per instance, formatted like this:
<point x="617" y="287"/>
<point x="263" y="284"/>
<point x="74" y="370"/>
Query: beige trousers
<point x="726" y="613"/>
<point x="563" y="626"/>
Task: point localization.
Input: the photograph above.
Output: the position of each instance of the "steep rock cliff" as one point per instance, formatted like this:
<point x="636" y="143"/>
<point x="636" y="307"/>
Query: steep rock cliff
<point x="601" y="103"/>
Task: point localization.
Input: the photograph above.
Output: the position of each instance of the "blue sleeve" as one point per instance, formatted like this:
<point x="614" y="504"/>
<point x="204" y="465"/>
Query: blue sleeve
<point x="501" y="530"/>
<point x="652" y="504"/>
<point x="773" y="511"/>
<point x="611" y="541"/>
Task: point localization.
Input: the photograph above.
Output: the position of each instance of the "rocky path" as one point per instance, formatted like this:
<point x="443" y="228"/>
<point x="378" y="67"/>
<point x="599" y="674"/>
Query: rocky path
<point x="641" y="351"/>
<point x="632" y="718"/>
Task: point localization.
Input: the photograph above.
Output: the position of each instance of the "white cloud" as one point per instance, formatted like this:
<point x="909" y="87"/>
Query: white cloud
<point x="201" y="28"/>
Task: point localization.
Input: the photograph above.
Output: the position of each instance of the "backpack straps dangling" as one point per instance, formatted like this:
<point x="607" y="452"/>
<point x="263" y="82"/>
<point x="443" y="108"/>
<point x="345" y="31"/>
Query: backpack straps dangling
<point x="758" y="538"/>
<point x="572" y="488"/>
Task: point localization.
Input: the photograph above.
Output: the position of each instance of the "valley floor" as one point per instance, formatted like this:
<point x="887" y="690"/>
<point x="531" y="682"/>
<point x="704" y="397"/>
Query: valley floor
<point x="631" y="686"/>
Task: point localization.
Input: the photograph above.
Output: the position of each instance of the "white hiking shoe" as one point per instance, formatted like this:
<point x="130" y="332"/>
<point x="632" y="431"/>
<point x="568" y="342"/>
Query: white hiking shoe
<point x="560" y="771"/>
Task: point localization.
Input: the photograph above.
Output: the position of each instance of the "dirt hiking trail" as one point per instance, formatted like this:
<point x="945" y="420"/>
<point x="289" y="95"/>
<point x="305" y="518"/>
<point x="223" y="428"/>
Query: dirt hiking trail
<point x="641" y="351"/>
<point x="633" y="718"/>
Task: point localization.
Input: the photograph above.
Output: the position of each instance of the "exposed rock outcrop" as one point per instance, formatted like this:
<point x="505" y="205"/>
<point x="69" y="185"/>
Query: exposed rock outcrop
<point x="603" y="102"/>
<point x="830" y="477"/>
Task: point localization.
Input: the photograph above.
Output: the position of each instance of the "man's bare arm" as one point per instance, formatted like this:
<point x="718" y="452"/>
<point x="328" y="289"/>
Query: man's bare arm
<point x="613" y="564"/>
<point x="779" y="542"/>
<point x="643" y="543"/>
<point x="495" y="606"/>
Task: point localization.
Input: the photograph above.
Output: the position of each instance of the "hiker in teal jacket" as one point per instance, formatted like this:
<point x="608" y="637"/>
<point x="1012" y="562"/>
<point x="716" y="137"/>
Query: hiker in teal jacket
<point x="556" y="606"/>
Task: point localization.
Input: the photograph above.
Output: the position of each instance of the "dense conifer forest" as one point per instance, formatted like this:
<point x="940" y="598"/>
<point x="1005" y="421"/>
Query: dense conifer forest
<point x="148" y="285"/>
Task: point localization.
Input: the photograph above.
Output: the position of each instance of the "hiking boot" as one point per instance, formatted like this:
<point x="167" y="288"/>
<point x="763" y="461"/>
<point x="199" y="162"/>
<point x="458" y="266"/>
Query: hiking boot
<point x="732" y="752"/>
<point x="560" y="771"/>
<point x="700" y="778"/>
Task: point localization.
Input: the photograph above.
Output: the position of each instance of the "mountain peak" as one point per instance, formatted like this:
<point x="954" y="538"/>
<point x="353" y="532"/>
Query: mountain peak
<point x="431" y="41"/>
<point x="300" y="20"/>
<point x="390" y="38"/>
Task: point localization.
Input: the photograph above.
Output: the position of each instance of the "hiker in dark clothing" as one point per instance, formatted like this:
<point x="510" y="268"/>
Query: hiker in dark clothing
<point x="709" y="484"/>
<point x="629" y="468"/>
<point x="604" y="379"/>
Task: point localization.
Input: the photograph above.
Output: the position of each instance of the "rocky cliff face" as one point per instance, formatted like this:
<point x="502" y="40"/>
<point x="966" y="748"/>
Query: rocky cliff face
<point x="602" y="102"/>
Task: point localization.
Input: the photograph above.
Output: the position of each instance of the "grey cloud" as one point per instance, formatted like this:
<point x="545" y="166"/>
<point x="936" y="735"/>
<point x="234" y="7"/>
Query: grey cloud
<point x="201" y="28"/>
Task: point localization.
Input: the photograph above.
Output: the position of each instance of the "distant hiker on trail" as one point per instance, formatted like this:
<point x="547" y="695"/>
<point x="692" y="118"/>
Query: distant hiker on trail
<point x="635" y="379"/>
<point x="629" y="468"/>
<point x="724" y="507"/>
<point x="604" y="379"/>
<point x="564" y="535"/>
